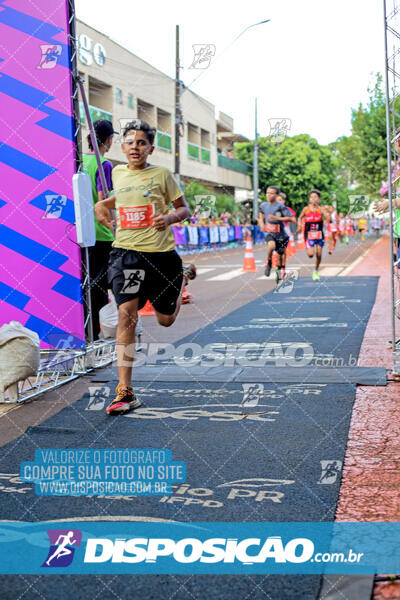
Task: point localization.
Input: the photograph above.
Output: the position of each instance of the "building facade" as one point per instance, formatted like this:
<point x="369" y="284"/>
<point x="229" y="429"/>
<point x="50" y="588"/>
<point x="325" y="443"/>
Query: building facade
<point x="120" y="86"/>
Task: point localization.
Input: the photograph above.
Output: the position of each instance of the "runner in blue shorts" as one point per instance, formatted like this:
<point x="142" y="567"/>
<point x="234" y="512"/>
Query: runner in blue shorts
<point x="311" y="221"/>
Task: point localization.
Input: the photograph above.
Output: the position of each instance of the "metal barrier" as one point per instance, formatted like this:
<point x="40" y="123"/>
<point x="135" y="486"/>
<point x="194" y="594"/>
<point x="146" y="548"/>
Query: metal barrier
<point x="61" y="366"/>
<point x="391" y="10"/>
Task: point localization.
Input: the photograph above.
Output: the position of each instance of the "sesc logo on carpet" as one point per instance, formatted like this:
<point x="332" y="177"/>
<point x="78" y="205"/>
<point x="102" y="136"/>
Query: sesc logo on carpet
<point x="62" y="547"/>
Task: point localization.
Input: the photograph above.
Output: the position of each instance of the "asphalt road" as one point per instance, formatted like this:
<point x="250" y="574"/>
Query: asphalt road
<point x="219" y="289"/>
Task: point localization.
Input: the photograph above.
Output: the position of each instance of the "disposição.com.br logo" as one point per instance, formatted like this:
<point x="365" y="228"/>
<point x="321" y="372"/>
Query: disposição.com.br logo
<point x="63" y="543"/>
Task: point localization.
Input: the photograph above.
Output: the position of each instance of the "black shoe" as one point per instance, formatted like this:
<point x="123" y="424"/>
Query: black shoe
<point x="268" y="268"/>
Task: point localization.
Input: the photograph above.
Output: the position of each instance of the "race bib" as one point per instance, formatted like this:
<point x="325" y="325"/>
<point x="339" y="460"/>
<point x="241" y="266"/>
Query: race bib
<point x="315" y="235"/>
<point x="136" y="217"/>
<point x="272" y="227"/>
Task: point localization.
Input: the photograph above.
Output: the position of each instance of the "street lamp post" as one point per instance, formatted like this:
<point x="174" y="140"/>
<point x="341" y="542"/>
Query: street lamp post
<point x="255" y="166"/>
<point x="179" y="116"/>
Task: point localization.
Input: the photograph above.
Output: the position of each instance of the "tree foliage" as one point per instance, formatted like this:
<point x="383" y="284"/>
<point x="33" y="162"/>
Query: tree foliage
<point x="297" y="165"/>
<point x="363" y="153"/>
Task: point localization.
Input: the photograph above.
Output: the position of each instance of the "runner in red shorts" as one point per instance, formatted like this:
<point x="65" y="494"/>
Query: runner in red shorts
<point x="311" y="221"/>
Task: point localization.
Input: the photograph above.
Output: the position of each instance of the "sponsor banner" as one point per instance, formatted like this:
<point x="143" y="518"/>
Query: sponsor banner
<point x="40" y="271"/>
<point x="87" y="547"/>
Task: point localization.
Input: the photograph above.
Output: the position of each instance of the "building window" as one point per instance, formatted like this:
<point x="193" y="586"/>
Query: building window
<point x="164" y="125"/>
<point x="146" y="112"/>
<point x="118" y="96"/>
<point x="130" y="100"/>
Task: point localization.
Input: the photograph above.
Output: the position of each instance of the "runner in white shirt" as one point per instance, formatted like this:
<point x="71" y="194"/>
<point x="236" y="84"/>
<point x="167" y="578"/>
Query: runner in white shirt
<point x="341" y="228"/>
<point x="348" y="228"/>
<point x="332" y="229"/>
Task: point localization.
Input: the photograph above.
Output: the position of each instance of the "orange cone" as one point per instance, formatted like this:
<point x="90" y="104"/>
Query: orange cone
<point x="292" y="245"/>
<point x="147" y="310"/>
<point x="274" y="259"/>
<point x="300" y="241"/>
<point x="249" y="263"/>
<point x="186" y="297"/>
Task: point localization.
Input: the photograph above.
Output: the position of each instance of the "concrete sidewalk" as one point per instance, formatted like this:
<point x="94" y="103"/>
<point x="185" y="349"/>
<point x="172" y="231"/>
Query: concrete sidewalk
<point x="371" y="476"/>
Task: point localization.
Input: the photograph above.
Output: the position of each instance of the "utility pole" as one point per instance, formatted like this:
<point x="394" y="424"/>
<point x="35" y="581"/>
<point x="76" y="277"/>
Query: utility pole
<point x="178" y="111"/>
<point x="255" y="167"/>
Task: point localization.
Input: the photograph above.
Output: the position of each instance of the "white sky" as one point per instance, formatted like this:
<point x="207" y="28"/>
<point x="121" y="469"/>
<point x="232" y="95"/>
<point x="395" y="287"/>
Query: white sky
<point x="311" y="63"/>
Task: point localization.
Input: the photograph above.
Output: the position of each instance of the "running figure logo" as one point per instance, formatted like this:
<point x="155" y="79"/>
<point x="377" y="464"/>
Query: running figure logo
<point x="278" y="129"/>
<point x="133" y="279"/>
<point x="63" y="543"/>
<point x="50" y="54"/>
<point x="98" y="398"/>
<point x="287" y="284"/>
<point x="252" y="394"/>
<point x="204" y="205"/>
<point x="331" y="469"/>
<point x="54" y="206"/>
<point x="358" y="204"/>
<point x="203" y="54"/>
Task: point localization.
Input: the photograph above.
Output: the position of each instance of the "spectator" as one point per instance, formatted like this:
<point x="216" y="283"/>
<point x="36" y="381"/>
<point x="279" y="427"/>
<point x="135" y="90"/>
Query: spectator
<point x="99" y="253"/>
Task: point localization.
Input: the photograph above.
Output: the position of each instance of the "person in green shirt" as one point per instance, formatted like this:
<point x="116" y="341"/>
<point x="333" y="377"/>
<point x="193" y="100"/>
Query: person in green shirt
<point x="99" y="253"/>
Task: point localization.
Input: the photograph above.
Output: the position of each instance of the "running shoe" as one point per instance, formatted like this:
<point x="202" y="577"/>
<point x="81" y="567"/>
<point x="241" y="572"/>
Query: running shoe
<point x="268" y="268"/>
<point x="124" y="401"/>
<point x="330" y="251"/>
<point x="189" y="271"/>
<point x="315" y="276"/>
<point x="278" y="275"/>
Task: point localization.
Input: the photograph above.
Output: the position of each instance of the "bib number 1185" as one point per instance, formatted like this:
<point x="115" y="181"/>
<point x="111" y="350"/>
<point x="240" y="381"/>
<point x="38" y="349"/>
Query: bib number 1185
<point x="136" y="217"/>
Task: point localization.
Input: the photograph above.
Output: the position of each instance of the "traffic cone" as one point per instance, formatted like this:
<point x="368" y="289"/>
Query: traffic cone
<point x="147" y="310"/>
<point x="292" y="245"/>
<point x="186" y="297"/>
<point x="274" y="259"/>
<point x="249" y="263"/>
<point x="300" y="241"/>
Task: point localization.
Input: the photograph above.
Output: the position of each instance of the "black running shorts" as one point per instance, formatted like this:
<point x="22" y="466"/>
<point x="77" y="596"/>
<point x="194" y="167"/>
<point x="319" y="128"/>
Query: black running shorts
<point x="280" y="243"/>
<point x="154" y="276"/>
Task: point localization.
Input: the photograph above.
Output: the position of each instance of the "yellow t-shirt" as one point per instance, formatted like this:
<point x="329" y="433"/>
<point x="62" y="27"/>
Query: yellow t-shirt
<point x="362" y="223"/>
<point x="140" y="195"/>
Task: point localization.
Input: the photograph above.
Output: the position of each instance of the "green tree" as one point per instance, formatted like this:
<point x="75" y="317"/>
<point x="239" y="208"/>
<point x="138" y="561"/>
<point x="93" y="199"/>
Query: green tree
<point x="296" y="165"/>
<point x="363" y="153"/>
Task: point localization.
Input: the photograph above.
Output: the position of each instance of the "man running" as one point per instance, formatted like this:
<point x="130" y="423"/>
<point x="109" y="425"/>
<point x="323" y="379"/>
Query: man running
<point x="348" y="228"/>
<point x="283" y="198"/>
<point x="144" y="247"/>
<point x="376" y="225"/>
<point x="272" y="216"/>
<point x="311" y="220"/>
<point x="341" y="228"/>
<point x="362" y="225"/>
<point x="332" y="229"/>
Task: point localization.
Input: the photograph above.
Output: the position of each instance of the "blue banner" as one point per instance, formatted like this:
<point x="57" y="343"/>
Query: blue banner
<point x="87" y="547"/>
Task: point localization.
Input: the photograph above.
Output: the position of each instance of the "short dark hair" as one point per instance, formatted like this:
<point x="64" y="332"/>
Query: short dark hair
<point x="314" y="192"/>
<point x="103" y="130"/>
<point x="140" y="125"/>
<point x="274" y="187"/>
